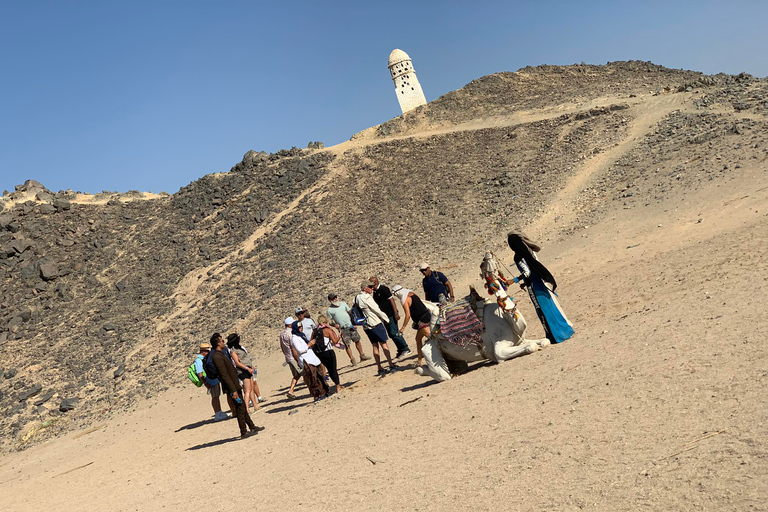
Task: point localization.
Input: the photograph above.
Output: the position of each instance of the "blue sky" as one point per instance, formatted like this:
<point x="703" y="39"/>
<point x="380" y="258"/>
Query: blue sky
<point x="152" y="95"/>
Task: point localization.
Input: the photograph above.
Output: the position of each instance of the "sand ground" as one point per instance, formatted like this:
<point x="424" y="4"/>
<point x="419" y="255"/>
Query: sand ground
<point x="657" y="403"/>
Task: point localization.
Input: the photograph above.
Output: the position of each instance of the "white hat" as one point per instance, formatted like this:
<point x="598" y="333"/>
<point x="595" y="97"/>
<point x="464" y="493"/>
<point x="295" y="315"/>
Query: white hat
<point x="289" y="320"/>
<point x="424" y="266"/>
<point x="396" y="288"/>
<point x="299" y="310"/>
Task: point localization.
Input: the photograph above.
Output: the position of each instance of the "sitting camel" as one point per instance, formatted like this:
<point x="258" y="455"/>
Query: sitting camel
<point x="503" y="338"/>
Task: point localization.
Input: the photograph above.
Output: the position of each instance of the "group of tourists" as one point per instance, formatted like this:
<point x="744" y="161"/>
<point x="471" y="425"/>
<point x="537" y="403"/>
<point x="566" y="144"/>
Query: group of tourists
<point x="309" y="347"/>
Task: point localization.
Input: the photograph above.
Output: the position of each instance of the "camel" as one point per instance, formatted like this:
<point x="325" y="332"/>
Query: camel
<point x="503" y="338"/>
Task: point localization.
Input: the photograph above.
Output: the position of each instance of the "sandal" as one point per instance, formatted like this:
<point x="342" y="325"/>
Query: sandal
<point x="291" y="396"/>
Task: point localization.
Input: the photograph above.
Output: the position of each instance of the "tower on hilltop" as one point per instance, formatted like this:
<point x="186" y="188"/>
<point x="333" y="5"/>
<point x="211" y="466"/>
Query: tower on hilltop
<point x="407" y="86"/>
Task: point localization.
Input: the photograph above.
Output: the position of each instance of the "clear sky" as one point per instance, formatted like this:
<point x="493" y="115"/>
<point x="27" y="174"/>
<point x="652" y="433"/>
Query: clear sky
<point x="101" y="95"/>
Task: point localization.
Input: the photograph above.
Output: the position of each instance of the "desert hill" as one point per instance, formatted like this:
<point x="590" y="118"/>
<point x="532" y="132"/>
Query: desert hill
<point x="102" y="301"/>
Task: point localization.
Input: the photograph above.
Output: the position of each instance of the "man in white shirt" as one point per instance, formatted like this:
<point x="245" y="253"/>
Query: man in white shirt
<point x="375" y="325"/>
<point x="302" y="315"/>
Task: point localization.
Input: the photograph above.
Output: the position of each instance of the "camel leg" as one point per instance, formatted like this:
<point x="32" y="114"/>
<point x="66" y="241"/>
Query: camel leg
<point x="436" y="366"/>
<point x="504" y="350"/>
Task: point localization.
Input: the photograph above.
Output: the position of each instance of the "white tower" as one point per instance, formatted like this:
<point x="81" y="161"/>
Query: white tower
<point x="407" y="86"/>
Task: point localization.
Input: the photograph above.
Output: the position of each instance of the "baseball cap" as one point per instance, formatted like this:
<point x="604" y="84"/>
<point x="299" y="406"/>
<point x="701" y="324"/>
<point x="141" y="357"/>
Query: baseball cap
<point x="299" y="310"/>
<point x="424" y="266"/>
<point x="289" y="320"/>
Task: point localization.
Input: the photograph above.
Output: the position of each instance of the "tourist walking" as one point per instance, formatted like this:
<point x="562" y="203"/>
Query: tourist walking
<point x="423" y="313"/>
<point x="246" y="371"/>
<point x="338" y="314"/>
<point x="285" y="345"/>
<point x="435" y="284"/>
<point x="541" y="286"/>
<point x="374" y="327"/>
<point x="386" y="302"/>
<point x="322" y="344"/>
<point x="212" y="385"/>
<point x="231" y="385"/>
<point x="310" y="363"/>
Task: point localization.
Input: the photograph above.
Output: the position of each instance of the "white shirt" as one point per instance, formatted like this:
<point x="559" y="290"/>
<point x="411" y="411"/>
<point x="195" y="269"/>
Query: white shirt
<point x="309" y="327"/>
<point x="305" y="355"/>
<point x="373" y="313"/>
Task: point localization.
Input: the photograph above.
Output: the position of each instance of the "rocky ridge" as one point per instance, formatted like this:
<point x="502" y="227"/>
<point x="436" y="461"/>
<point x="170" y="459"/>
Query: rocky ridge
<point x="96" y="306"/>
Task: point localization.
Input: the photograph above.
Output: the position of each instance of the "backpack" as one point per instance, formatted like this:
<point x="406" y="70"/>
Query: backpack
<point x="209" y="368"/>
<point x="356" y="314"/>
<point x="193" y="375"/>
<point x="320" y="345"/>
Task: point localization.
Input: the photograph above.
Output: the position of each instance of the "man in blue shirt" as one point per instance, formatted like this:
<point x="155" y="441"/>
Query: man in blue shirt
<point x="435" y="284"/>
<point x="213" y="385"/>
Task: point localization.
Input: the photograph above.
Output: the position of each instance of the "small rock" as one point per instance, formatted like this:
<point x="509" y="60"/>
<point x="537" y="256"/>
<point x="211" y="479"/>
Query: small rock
<point x="9" y="374"/>
<point x="34" y="390"/>
<point x="293" y="411"/>
<point x="120" y="370"/>
<point x="68" y="404"/>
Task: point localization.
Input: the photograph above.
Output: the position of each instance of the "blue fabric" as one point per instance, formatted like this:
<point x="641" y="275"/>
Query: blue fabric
<point x="558" y="325"/>
<point x="199" y="369"/>
<point x="378" y="334"/>
<point x="295" y="330"/>
<point x="434" y="286"/>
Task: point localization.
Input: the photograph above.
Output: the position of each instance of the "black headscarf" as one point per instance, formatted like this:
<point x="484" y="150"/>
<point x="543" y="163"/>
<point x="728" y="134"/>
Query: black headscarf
<point x="522" y="246"/>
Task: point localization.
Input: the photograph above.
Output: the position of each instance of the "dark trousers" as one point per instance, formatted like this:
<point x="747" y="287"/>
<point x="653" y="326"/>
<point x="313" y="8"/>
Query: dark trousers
<point x="243" y="418"/>
<point x="394" y="333"/>
<point x="315" y="381"/>
<point x="328" y="358"/>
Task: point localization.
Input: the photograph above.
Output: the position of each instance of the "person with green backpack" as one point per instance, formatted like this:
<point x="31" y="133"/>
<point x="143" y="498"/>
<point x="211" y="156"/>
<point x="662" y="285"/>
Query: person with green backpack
<point x="198" y="377"/>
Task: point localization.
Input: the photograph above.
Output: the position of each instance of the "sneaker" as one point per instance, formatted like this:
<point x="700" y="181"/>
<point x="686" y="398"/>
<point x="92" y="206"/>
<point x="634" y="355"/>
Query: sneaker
<point x="353" y="362"/>
<point x="393" y="367"/>
<point x="320" y="398"/>
<point x="220" y="416"/>
<point x="382" y="372"/>
<point x="365" y="357"/>
<point x="405" y="353"/>
<point x="261" y="399"/>
<point x="256" y="430"/>
<point x="247" y="434"/>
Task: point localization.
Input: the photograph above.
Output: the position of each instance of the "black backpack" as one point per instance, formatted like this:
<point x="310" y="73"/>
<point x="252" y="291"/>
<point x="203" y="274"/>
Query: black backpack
<point x="320" y="345"/>
<point x="210" y="369"/>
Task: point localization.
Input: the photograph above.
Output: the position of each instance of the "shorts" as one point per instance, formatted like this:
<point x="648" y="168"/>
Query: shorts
<point x="377" y="335"/>
<point x="215" y="390"/>
<point x="243" y="374"/>
<point x="295" y="370"/>
<point x="422" y="322"/>
<point x="349" y="335"/>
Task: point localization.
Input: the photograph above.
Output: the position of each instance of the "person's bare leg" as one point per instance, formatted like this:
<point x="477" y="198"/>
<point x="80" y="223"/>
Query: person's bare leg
<point x="377" y="357"/>
<point x="247" y="392"/>
<point x="420" y="335"/>
<point x="294" y="381"/>
<point x="256" y="389"/>
<point x="349" y="354"/>
<point x="359" y="347"/>
<point x="385" y="347"/>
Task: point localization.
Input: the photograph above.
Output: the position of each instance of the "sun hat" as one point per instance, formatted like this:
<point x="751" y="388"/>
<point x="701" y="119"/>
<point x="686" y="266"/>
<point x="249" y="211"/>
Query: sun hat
<point x="396" y="288"/>
<point x="205" y="346"/>
<point x="366" y="284"/>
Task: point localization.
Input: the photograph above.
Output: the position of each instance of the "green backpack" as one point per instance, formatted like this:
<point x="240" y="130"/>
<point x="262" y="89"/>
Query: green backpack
<point x="193" y="375"/>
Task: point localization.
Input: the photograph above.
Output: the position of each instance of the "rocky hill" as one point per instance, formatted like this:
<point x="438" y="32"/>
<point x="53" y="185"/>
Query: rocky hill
<point x="104" y="302"/>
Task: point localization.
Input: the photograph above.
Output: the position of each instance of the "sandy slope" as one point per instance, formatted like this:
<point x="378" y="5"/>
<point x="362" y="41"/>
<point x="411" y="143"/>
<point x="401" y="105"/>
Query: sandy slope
<point x="670" y="348"/>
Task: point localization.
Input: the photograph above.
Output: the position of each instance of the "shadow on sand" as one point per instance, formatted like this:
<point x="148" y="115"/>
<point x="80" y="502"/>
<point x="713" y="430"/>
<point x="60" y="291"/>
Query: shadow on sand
<point x="213" y="443"/>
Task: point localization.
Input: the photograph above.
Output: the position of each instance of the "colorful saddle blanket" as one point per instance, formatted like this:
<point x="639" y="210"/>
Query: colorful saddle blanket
<point x="459" y="324"/>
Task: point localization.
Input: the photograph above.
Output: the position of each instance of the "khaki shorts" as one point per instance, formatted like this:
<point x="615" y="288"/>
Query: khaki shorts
<point x="215" y="391"/>
<point x="349" y="335"/>
<point x="295" y="370"/>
